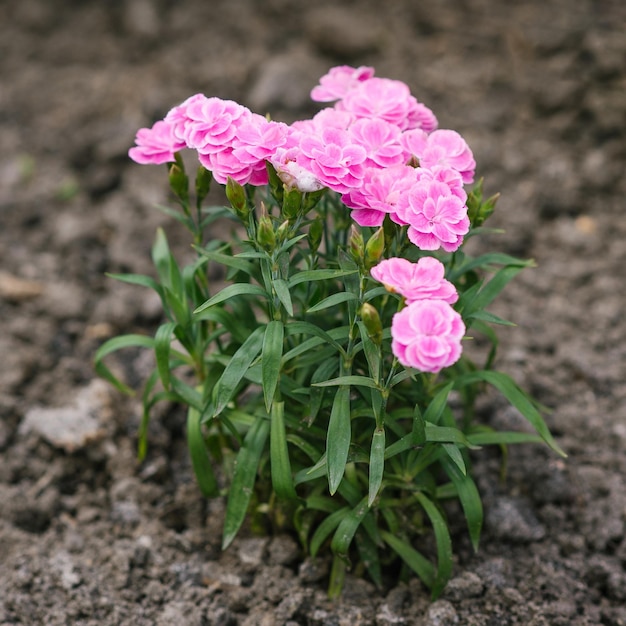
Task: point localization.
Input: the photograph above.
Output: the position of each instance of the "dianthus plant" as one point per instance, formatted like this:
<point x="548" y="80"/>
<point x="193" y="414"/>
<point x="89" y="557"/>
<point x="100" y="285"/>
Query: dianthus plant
<point x="326" y="387"/>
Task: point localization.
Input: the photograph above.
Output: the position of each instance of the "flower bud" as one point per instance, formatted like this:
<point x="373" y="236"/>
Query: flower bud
<point x="265" y="233"/>
<point x="179" y="183"/>
<point x="275" y="183"/>
<point x="203" y="183"/>
<point x="316" y="230"/>
<point x="374" y="248"/>
<point x="356" y="244"/>
<point x="292" y="202"/>
<point x="311" y="198"/>
<point x="236" y="195"/>
<point x="283" y="231"/>
<point x="372" y="322"/>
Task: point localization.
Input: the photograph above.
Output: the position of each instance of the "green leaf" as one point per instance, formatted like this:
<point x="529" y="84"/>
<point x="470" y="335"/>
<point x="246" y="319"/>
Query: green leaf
<point x="230" y="261"/>
<point x="358" y="381"/>
<point x="238" y="289"/>
<point x="457" y="458"/>
<point x="199" y="458"/>
<point x="282" y="292"/>
<point x="271" y="358"/>
<point x="368" y="553"/>
<point x="236" y="369"/>
<point x="444" y="544"/>
<point x="187" y="395"/>
<point x="447" y="434"/>
<point x="486" y="260"/>
<point x="308" y="276"/>
<point x="377" y="464"/>
<point x="226" y="319"/>
<point x="242" y="487"/>
<point x="507" y="387"/>
<point x="113" y="345"/>
<point x="437" y="405"/>
<point x="372" y="353"/>
<point x="332" y="301"/>
<point x="306" y="328"/>
<point x="470" y="500"/>
<point x="491" y="289"/>
<point x="326" y="526"/>
<point x="137" y="279"/>
<point x="340" y="545"/>
<point x="338" y="438"/>
<point x="486" y="316"/>
<point x="162" y="340"/>
<point x="502" y="438"/>
<point x="282" y="480"/>
<point x="418" y="563"/>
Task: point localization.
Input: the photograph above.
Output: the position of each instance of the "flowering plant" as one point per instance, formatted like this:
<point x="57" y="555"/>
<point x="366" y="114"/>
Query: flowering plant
<point x="325" y="380"/>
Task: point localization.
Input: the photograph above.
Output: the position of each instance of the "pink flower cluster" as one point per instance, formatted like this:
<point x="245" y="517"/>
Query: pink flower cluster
<point x="427" y="333"/>
<point x="377" y="146"/>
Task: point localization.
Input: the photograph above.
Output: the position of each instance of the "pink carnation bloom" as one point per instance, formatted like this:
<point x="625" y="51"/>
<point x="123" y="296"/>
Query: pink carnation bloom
<point x="420" y="116"/>
<point x="225" y="164"/>
<point x="436" y="218"/>
<point x="380" y="98"/>
<point x="156" y="145"/>
<point x="423" y="280"/>
<point x="339" y="81"/>
<point x="379" y="194"/>
<point x="208" y="125"/>
<point x="441" y="148"/>
<point x="332" y="157"/>
<point x="292" y="174"/>
<point x="381" y="141"/>
<point x="427" y="335"/>
<point x="446" y="175"/>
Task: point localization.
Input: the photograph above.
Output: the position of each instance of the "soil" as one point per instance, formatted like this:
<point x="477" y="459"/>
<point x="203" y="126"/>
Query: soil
<point x="90" y="536"/>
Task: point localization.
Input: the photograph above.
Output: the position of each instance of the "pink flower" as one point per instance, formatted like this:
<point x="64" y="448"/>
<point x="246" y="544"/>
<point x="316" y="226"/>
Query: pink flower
<point x="292" y="174"/>
<point x="379" y="193"/>
<point x="339" y="81"/>
<point x="423" y="280"/>
<point x="436" y="218"/>
<point x="224" y="164"/>
<point x="380" y="98"/>
<point x="333" y="159"/>
<point x="381" y="141"/>
<point x="446" y="175"/>
<point x="420" y="116"/>
<point x="208" y="125"/>
<point x="441" y="148"/>
<point x="427" y="335"/>
<point x="156" y="145"/>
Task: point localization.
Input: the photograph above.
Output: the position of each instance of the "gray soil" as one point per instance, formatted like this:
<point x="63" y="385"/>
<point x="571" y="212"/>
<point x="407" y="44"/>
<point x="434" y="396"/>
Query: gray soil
<point x="90" y="536"/>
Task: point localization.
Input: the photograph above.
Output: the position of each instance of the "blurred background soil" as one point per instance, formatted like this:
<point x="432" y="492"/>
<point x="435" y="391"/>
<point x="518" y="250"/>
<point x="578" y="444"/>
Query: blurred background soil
<point x="90" y="536"/>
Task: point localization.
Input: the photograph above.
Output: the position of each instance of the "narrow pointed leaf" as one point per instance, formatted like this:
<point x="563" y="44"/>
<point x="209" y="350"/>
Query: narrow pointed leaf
<point x="377" y="464"/>
<point x="282" y="480"/>
<point x="517" y="398"/>
<point x="199" y="455"/>
<point x="270" y="361"/>
<point x="162" y="342"/>
<point x="340" y="545"/>
<point x="238" y="289"/>
<point x="338" y="438"/>
<point x="242" y="487"/>
<point x="444" y="544"/>
<point x="282" y="292"/>
<point x="323" y="274"/>
<point x="332" y="301"/>
<point x="455" y="455"/>
<point x="326" y="526"/>
<point x="236" y="369"/>
<point x="358" y="381"/>
<point x="437" y="405"/>
<point x="418" y="563"/>
<point x="469" y="497"/>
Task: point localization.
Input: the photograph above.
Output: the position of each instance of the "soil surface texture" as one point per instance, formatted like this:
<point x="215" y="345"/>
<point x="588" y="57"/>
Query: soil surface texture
<point x="89" y="536"/>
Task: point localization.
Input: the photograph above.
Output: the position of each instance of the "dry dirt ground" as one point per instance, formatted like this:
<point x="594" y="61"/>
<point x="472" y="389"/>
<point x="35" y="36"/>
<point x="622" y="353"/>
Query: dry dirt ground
<point x="89" y="536"/>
